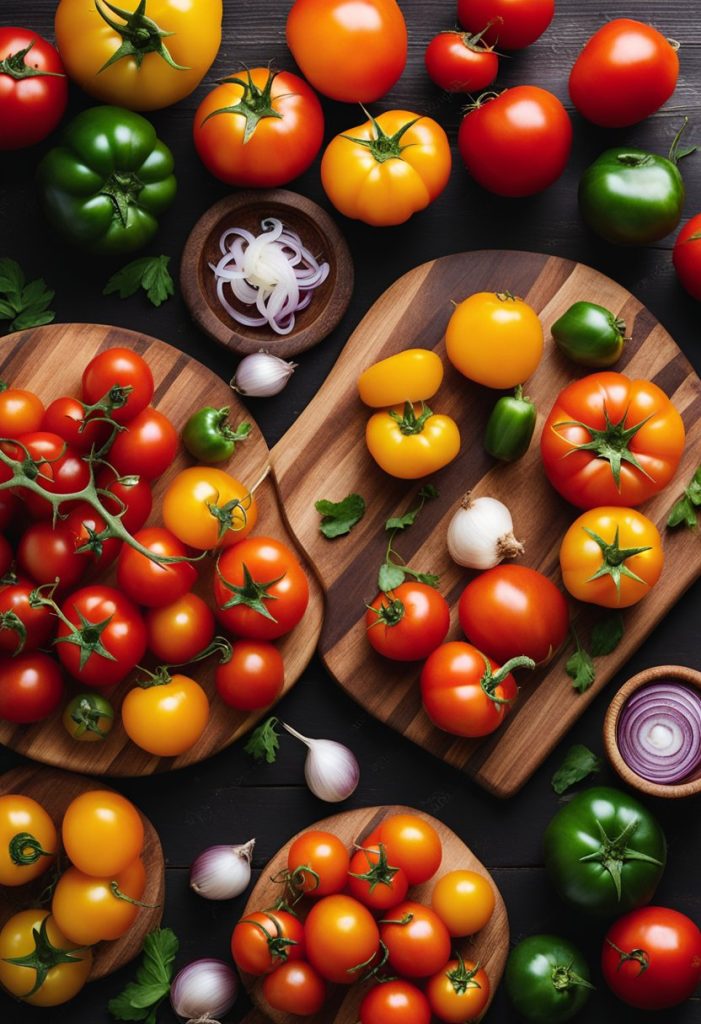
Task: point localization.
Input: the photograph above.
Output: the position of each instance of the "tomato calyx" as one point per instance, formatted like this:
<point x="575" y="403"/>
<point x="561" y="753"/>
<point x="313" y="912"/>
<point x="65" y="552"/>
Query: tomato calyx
<point x="563" y="979"/>
<point x="383" y="147"/>
<point x="614" y="853"/>
<point x="390" y="613"/>
<point x="462" y="978"/>
<point x="408" y="422"/>
<point x="87" y="712"/>
<point x="251" y="593"/>
<point x="491" y="680"/>
<point x="87" y="636"/>
<point x="254" y="105"/>
<point x="373" y="970"/>
<point x="24" y="848"/>
<point x="612" y="443"/>
<point x="380" y="873"/>
<point x="140" y="35"/>
<point x="226" y="516"/>
<point x="614" y="558"/>
<point x="475" y="40"/>
<point x="10" y="620"/>
<point x="278" y="943"/>
<point x="484" y="97"/>
<point x="639" y="956"/>
<point x="17" y="67"/>
<point x="296" y="886"/>
<point x="43" y="957"/>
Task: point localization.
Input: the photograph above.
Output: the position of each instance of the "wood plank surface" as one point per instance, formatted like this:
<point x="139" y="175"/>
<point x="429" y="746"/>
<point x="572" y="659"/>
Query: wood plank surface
<point x="324" y="456"/>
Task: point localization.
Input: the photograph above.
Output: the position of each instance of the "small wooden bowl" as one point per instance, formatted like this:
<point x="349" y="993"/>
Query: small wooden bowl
<point x="318" y="233"/>
<point x="673" y="791"/>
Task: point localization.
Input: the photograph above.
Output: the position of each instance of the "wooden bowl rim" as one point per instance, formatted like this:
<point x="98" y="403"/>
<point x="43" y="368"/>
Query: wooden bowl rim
<point x="673" y="791"/>
<point x="328" y="316"/>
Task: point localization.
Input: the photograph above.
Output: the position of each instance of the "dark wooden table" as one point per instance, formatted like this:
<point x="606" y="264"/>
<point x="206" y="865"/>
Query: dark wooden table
<point x="228" y="799"/>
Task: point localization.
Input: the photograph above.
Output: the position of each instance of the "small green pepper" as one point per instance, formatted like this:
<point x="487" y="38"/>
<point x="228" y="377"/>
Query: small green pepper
<point x="208" y="436"/>
<point x="510" y="427"/>
<point x="590" y="335"/>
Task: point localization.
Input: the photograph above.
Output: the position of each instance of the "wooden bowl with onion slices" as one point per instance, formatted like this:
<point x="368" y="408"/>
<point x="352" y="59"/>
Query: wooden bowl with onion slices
<point x="672" y="674"/>
<point x="318" y="234"/>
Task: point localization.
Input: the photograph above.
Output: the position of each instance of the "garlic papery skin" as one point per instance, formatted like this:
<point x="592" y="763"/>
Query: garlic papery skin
<point x="262" y="375"/>
<point x="331" y="770"/>
<point x="480" y="534"/>
<point x="204" y="991"/>
<point x="222" y="872"/>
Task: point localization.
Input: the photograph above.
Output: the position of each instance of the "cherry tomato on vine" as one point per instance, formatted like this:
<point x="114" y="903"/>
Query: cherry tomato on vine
<point x="179" y="630"/>
<point x="114" y="626"/>
<point x="89" y="909"/>
<point x="21" y="412"/>
<point x="464" y="901"/>
<point x="409" y="622"/>
<point x="102" y="832"/>
<point x="265" y="939"/>
<point x="375" y="882"/>
<point x="33" y="88"/>
<point x="36" y="625"/>
<point x="295" y="987"/>
<point x="147" y="447"/>
<point x="395" y="1002"/>
<point x="253" y="677"/>
<point x="31" y="687"/>
<point x="28" y="839"/>
<point x="687" y="256"/>
<point x="133" y="499"/>
<point x="62" y="471"/>
<point x="460" y="62"/>
<point x="412" y="844"/>
<point x="86" y="525"/>
<point x="53" y="981"/>
<point x="123" y="368"/>
<point x="167" y="717"/>
<point x="416" y="939"/>
<point x="208" y="508"/>
<point x="512" y="24"/>
<point x="318" y="863"/>
<point x="458" y="992"/>
<point x="47" y="553"/>
<point x="65" y="416"/>
<point x="147" y="582"/>
<point x="340" y="935"/>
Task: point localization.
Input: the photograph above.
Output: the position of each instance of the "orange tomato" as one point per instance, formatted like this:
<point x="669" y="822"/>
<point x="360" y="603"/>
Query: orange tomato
<point x="90" y="910"/>
<point x="412" y="844"/>
<point x="166" y="718"/>
<point x="102" y="832"/>
<point x="318" y="863"/>
<point x="341" y="935"/>
<point x="464" y="901"/>
<point x="207" y="508"/>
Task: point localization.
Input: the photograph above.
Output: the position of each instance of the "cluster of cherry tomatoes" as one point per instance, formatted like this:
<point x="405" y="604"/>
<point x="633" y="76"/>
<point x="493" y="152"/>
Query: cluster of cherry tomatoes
<point x="103" y="452"/>
<point x="96" y="898"/>
<point x="352" y="917"/>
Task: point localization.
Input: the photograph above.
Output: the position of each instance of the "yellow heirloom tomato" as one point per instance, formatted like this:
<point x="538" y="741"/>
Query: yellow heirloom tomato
<point x="90" y="910"/>
<point x="494" y="339"/>
<point x="140" y="54"/>
<point x="38" y="964"/>
<point x="411" y="376"/>
<point x="412" y="442"/>
<point x="27" y="839"/>
<point x="611" y="556"/>
<point x="207" y="508"/>
<point x="385" y="170"/>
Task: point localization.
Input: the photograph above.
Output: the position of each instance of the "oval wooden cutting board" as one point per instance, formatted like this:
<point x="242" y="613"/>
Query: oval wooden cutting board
<point x="489" y="947"/>
<point x="54" y="790"/>
<point x="50" y="360"/>
<point x="324" y="456"/>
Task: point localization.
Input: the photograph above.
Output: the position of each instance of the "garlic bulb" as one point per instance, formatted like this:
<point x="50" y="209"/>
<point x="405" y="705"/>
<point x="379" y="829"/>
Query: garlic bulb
<point x="222" y="872"/>
<point x="261" y="375"/>
<point x="331" y="770"/>
<point x="480" y="534"/>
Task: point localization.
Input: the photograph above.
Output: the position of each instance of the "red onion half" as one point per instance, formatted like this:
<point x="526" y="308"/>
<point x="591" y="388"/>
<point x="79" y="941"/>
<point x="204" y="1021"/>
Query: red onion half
<point x="659" y="732"/>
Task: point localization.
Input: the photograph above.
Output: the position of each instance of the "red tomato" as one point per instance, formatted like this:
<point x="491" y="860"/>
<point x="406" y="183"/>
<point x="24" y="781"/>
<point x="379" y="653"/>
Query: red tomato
<point x="254" y="676"/>
<point x="48" y="553"/>
<point x="31" y="687"/>
<point x="516" y="23"/>
<point x="417" y="940"/>
<point x="6" y="556"/>
<point x="517" y="143"/>
<point x="86" y="525"/>
<point x="179" y="631"/>
<point x="625" y="72"/>
<point x="353" y="52"/>
<point x="374" y="881"/>
<point x="9" y="504"/>
<point x="460" y="62"/>
<point x="687" y="256"/>
<point x="512" y="610"/>
<point x="651" y="958"/>
<point x="33" y="89"/>
<point x="134" y="499"/>
<point x="39" y="624"/>
<point x="296" y="988"/>
<point x="341" y="935"/>
<point x="395" y="1002"/>
<point x="147" y="447"/>
<point x="266" y="150"/>
<point x="21" y="412"/>
<point x="65" y="416"/>
<point x="409" y="622"/>
<point x="147" y="582"/>
<point x="412" y="844"/>
<point x="122" y="368"/>
<point x="265" y="939"/>
<point x="318" y="863"/>
<point x="63" y="472"/>
<point x="114" y="626"/>
<point x="274" y="597"/>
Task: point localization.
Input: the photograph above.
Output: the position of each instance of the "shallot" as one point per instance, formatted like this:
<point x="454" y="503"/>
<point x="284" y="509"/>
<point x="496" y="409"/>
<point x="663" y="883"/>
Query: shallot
<point x="261" y="375"/>
<point x="331" y="770"/>
<point x="204" y="991"/>
<point x="222" y="872"/>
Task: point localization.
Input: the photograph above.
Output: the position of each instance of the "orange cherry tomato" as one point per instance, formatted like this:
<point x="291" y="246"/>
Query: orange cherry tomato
<point x="266" y="939"/>
<point x="395" y="1002"/>
<point x="178" y="631"/>
<point x="458" y="992"/>
<point x="253" y="677"/>
<point x="374" y="881"/>
<point x="90" y="910"/>
<point x="318" y="863"/>
<point x="464" y="901"/>
<point x="27" y="839"/>
<point x="416" y="939"/>
<point x="295" y="987"/>
<point x="168" y="717"/>
<point x="341" y="935"/>
<point x="412" y="844"/>
<point x="102" y="833"/>
<point x="21" y="412"/>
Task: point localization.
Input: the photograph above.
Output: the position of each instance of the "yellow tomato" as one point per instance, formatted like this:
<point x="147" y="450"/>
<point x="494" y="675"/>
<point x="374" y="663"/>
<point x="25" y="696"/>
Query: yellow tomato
<point x="51" y="983"/>
<point x="27" y="839"/>
<point x="494" y="339"/>
<point x="155" y="72"/>
<point x="464" y="901"/>
<point x="411" y="376"/>
<point x="385" y="170"/>
<point x="207" y="508"/>
<point x="102" y="832"/>
<point x="611" y="556"/>
<point x="167" y="718"/>
<point x="411" y="441"/>
<point x="90" y="910"/>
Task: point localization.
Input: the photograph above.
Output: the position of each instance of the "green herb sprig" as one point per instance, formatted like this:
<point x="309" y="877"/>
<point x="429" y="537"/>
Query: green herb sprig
<point x="23" y="305"/>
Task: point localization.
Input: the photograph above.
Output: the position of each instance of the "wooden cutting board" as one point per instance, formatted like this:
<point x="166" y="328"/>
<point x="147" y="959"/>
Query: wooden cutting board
<point x="324" y="456"/>
<point x="54" y="790"/>
<point x="489" y="947"/>
<point x="50" y="361"/>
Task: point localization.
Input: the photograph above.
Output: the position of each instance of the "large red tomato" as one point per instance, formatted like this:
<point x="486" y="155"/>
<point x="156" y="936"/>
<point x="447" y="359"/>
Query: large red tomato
<point x="687" y="256"/>
<point x="31" y="687"/>
<point x="33" y="88"/>
<point x="350" y="50"/>
<point x="516" y="143"/>
<point x="512" y="610"/>
<point x="147" y="447"/>
<point x="125" y="370"/>
<point x="515" y="23"/>
<point x="111" y="631"/>
<point x="625" y="72"/>
<point x="408" y="623"/>
<point x="146" y="581"/>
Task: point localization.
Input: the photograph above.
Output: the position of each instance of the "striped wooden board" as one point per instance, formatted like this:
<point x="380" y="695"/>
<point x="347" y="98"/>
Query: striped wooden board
<point x="324" y="456"/>
<point x="489" y="947"/>
<point x="50" y="361"/>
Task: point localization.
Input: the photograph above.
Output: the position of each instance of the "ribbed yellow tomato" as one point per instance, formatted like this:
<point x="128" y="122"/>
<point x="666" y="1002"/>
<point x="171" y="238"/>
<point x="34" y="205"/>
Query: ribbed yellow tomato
<point x="49" y="982"/>
<point x="167" y="718"/>
<point x="410" y="376"/>
<point x="27" y="839"/>
<point x="494" y="339"/>
<point x="412" y="442"/>
<point x="611" y="556"/>
<point x="207" y="508"/>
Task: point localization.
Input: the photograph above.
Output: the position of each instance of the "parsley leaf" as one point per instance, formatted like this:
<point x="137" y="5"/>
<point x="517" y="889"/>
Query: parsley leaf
<point x="390" y="576"/>
<point x="606" y="635"/>
<point x="393" y="571"/>
<point x="264" y="742"/>
<point x="23" y="305"/>
<point x="684" y="510"/>
<point x="579" y="762"/>
<point x="141" y="998"/>
<point x="339" y="517"/>
<point x="150" y="273"/>
<point x="580" y="668"/>
<point x="427" y="493"/>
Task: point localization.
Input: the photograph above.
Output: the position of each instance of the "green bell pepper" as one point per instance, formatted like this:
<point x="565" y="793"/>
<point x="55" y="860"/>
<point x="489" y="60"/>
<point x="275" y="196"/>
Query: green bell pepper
<point x="108" y="182"/>
<point x="208" y="436"/>
<point x="510" y="427"/>
<point x="590" y="335"/>
<point x="547" y="979"/>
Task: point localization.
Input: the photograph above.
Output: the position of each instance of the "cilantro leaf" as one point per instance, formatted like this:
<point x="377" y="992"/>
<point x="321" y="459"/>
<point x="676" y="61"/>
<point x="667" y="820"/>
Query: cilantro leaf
<point x="140" y="999"/>
<point x="264" y="742"/>
<point x="427" y="493"/>
<point x="684" y="510"/>
<point x="579" y="762"/>
<point x="606" y="635"/>
<point x="150" y="273"/>
<point x="339" y="517"/>
<point x="23" y="305"/>
<point x="390" y="576"/>
<point x="580" y="668"/>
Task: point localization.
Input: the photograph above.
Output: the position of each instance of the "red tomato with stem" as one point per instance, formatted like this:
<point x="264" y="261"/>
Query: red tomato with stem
<point x="87" y="526"/>
<point x="341" y="936"/>
<point x="412" y="844"/>
<point x="318" y="863"/>
<point x="33" y="88"/>
<point x="460" y="62"/>
<point x="687" y="256"/>
<point x="21" y="412"/>
<point x="111" y="630"/>
<point x="515" y="23"/>
<point x="65" y="416"/>
<point x="409" y="622"/>
<point x="651" y="958"/>
<point x="265" y="939"/>
<point x="145" y="581"/>
<point x="35" y="627"/>
<point x="512" y="610"/>
<point x="180" y="630"/>
<point x="395" y="1002"/>
<point x="134" y="499"/>
<point x="120" y="368"/>
<point x="147" y="447"/>
<point x="61" y="470"/>
<point x="253" y="677"/>
<point x="295" y="987"/>
<point x="48" y="553"/>
<point x="517" y="143"/>
<point x="31" y="687"/>
<point x="417" y="941"/>
<point x="625" y="72"/>
<point x="374" y="881"/>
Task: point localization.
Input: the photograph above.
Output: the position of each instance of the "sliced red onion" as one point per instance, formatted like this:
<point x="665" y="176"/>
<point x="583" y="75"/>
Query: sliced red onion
<point x="659" y="732"/>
